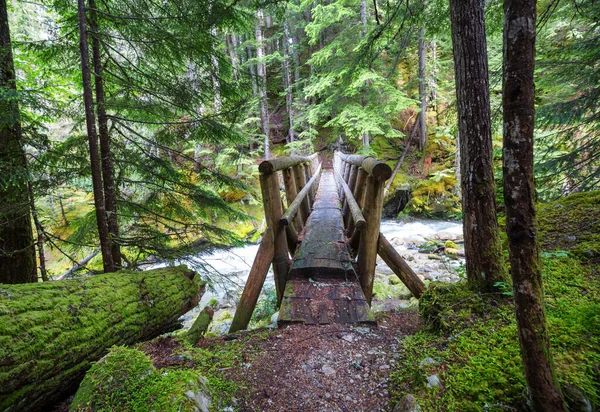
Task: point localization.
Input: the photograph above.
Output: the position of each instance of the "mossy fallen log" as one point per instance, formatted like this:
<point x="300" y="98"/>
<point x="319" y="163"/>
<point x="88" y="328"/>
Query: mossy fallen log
<point x="51" y="332"/>
<point x="200" y="325"/>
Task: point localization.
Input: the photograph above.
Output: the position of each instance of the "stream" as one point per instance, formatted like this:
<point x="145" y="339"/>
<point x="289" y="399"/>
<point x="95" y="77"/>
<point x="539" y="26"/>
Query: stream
<point x="227" y="270"/>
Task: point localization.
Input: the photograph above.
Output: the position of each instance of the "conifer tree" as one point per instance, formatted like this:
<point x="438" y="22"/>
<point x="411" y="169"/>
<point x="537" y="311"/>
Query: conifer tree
<point x="483" y="251"/>
<point x="519" y="190"/>
<point x="17" y="253"/>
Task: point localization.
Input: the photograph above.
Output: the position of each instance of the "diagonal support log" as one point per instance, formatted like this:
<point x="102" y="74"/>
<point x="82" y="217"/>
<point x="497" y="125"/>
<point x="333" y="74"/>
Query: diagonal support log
<point x="400" y="267"/>
<point x="254" y="284"/>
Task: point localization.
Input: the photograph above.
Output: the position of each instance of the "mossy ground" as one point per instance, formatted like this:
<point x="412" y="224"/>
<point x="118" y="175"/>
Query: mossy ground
<point x="473" y="336"/>
<point x="128" y="380"/>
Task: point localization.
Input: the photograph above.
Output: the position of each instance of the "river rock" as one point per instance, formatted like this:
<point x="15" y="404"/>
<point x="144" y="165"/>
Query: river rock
<point x="576" y="399"/>
<point x="408" y="403"/>
<point x="433" y="381"/>
<point x="396" y="202"/>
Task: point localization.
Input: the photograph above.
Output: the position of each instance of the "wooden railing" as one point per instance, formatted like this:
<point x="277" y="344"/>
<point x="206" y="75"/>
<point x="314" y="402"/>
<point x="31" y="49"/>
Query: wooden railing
<point x="361" y="182"/>
<point x="300" y="177"/>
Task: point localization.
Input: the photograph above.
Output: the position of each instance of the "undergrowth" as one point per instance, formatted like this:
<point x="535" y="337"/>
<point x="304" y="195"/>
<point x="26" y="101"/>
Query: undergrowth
<point x="472" y="337"/>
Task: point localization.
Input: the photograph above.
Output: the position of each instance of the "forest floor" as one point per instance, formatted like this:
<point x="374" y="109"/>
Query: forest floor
<point x="308" y="368"/>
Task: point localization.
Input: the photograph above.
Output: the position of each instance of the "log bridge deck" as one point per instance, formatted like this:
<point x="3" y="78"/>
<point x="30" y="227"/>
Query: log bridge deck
<point x="323" y="285"/>
<point x="323" y="247"/>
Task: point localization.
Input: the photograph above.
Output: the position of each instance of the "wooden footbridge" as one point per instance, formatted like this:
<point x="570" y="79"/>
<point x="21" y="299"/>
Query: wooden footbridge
<point x="324" y="245"/>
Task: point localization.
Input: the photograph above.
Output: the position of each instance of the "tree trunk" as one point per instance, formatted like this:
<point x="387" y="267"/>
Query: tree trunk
<point x="296" y="56"/>
<point x="215" y="74"/>
<point x="289" y="97"/>
<point x="108" y="175"/>
<point x="482" y="244"/>
<point x="422" y="90"/>
<point x="40" y="234"/>
<point x="232" y="45"/>
<point x="262" y="81"/>
<point x="17" y="254"/>
<point x="519" y="191"/>
<point x="53" y="331"/>
<point x="363" y="22"/>
<point x="363" y="17"/>
<point x="90" y="120"/>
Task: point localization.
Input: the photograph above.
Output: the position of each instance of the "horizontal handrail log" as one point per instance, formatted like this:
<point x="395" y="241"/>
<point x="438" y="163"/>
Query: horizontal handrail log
<point x="291" y="211"/>
<point x="355" y="160"/>
<point x="273" y="165"/>
<point x="379" y="170"/>
<point x="359" y="220"/>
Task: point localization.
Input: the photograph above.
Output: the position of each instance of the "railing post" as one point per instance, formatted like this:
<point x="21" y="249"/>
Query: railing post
<point x="344" y="168"/>
<point x="311" y="193"/>
<point x="269" y="184"/>
<point x="300" y="178"/>
<point x="254" y="284"/>
<point x="291" y="191"/>
<point x="359" y="191"/>
<point x="351" y="182"/>
<point x="369" y="240"/>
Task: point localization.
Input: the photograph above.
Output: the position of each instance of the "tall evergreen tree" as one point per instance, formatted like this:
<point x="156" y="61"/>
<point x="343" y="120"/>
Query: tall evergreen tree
<point x="17" y="253"/>
<point x="519" y="191"/>
<point x="92" y="137"/>
<point x="483" y="251"/>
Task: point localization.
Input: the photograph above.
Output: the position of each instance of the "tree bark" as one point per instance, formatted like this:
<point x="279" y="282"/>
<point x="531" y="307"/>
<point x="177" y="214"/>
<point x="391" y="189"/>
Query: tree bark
<point x="53" y="331"/>
<point x="262" y="81"/>
<point x="519" y="191"/>
<point x="483" y="252"/>
<point x="108" y="175"/>
<point x="232" y="45"/>
<point x="422" y="90"/>
<point x="17" y="254"/>
<point x="90" y="120"/>
<point x="363" y="17"/>
<point x="39" y="230"/>
<point x="289" y="97"/>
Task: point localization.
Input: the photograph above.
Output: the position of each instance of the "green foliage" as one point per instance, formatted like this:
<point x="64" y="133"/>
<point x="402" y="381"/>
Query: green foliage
<point x="473" y="337"/>
<point x="567" y="94"/>
<point x="265" y="307"/>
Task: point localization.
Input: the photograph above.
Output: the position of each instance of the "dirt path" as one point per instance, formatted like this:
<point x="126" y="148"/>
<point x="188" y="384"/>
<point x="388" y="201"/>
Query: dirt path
<point x="323" y="368"/>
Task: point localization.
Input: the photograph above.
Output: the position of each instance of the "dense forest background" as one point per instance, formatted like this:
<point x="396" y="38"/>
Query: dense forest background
<point x="131" y="131"/>
<point x="192" y="95"/>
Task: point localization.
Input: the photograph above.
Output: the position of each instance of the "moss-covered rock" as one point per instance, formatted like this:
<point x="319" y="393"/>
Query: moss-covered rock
<point x="51" y="332"/>
<point x="126" y="380"/>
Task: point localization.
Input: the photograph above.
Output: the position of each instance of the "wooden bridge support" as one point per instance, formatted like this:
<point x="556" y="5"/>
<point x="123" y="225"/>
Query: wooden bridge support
<point x="281" y="238"/>
<point x="365" y="177"/>
<point x="360" y="189"/>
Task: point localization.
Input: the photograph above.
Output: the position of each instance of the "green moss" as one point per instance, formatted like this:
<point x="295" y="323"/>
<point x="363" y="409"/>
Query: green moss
<point x="126" y="380"/>
<point x="448" y="244"/>
<point x="571" y="223"/>
<point x="474" y="338"/>
<point x="53" y="330"/>
<point x="200" y="325"/>
<point x="384" y="289"/>
<point x="435" y="196"/>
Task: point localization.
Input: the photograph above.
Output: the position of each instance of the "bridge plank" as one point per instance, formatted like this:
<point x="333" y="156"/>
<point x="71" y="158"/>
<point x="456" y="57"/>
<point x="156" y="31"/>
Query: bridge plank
<point x="323" y="286"/>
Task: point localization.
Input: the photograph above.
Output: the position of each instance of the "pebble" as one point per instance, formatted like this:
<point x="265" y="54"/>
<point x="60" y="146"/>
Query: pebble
<point x="328" y="370"/>
<point x="384" y="367"/>
<point x="433" y="381"/>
